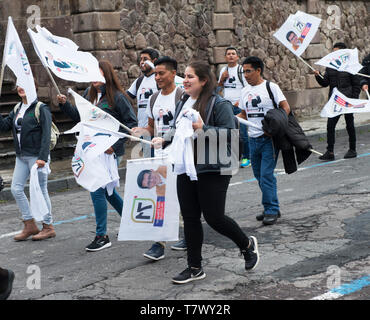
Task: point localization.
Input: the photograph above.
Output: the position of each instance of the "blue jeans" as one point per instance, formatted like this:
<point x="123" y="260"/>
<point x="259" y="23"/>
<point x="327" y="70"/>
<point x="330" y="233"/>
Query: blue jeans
<point x="99" y="199"/>
<point x="244" y="135"/>
<point x="264" y="161"/>
<point x="22" y="170"/>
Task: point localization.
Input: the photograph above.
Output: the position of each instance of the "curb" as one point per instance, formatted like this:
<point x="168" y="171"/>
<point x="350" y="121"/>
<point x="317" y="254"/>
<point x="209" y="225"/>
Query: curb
<point x="69" y="182"/>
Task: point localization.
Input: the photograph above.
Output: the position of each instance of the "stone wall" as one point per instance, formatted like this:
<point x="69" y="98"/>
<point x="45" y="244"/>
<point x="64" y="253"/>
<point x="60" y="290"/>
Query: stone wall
<point x="196" y="29"/>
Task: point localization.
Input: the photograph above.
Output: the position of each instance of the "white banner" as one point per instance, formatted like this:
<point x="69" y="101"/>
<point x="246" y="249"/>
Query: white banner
<point x="16" y="59"/>
<point x="151" y="210"/>
<point x="342" y="60"/>
<point x="339" y="104"/>
<point x="93" y="114"/>
<point x="298" y="31"/>
<point x="63" y="60"/>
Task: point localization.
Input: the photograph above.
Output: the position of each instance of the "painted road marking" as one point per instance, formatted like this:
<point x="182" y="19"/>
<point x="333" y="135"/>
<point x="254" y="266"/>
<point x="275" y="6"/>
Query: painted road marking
<point x="345" y="289"/>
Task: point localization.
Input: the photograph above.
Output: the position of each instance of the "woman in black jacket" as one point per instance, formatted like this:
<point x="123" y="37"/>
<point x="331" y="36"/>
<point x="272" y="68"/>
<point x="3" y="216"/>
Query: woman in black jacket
<point x="207" y="194"/>
<point x="365" y="81"/>
<point x="110" y="98"/>
<point x="31" y="134"/>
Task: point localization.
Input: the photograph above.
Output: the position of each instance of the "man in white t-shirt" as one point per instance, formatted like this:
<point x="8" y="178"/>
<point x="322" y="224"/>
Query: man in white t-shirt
<point x="232" y="81"/>
<point x="256" y="101"/>
<point x="142" y="88"/>
<point x="160" y="111"/>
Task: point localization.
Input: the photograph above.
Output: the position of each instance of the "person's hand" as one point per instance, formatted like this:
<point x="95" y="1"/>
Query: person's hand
<point x="137" y="131"/>
<point x="198" y="124"/>
<point x="365" y="87"/>
<point x="61" y="98"/>
<point x="40" y="163"/>
<point x="158" y="142"/>
<point x="236" y="104"/>
<point x="224" y="76"/>
<point x="316" y="72"/>
<point x="109" y="151"/>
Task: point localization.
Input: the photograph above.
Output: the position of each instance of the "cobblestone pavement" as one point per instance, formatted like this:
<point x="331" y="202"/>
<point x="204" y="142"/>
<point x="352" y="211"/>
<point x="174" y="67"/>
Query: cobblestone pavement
<point x="320" y="242"/>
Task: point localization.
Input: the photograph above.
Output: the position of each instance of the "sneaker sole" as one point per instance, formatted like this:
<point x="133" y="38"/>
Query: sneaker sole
<point x="189" y="280"/>
<point x="179" y="249"/>
<point x="101" y="248"/>
<point x="153" y="258"/>
<point x="257" y="252"/>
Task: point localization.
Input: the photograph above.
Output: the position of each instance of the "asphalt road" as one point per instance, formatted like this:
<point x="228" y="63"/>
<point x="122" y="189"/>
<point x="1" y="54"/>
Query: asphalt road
<point x="318" y="249"/>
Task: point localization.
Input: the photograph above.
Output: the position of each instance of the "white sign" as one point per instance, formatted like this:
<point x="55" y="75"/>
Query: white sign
<point x="342" y="60"/>
<point x="298" y="31"/>
<point x="151" y="210"/>
<point x="339" y="104"/>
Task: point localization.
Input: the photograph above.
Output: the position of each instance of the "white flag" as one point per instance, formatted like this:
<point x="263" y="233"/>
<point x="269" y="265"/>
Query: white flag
<point x="298" y="31"/>
<point x="16" y="59"/>
<point x="62" y="58"/>
<point x="342" y="60"/>
<point x="91" y="166"/>
<point x="93" y="114"/>
<point x="339" y="104"/>
<point x="151" y="210"/>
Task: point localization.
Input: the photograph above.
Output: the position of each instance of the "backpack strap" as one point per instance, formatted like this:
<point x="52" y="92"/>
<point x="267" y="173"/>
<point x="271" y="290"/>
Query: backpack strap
<point x="37" y="111"/>
<point x="138" y="83"/>
<point x="152" y="100"/>
<point x="268" y="87"/>
<point x="17" y="107"/>
<point x="240" y="74"/>
<point x="210" y="108"/>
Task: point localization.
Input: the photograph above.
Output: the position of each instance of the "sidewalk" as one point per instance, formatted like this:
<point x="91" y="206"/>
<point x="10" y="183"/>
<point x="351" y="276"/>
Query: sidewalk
<point x="61" y="177"/>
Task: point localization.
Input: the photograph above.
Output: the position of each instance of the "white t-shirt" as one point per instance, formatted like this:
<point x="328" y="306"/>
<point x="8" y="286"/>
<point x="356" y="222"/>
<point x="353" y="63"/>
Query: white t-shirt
<point x="19" y="120"/>
<point x="163" y="112"/>
<point x="255" y="100"/>
<point x="232" y="85"/>
<point x="147" y="87"/>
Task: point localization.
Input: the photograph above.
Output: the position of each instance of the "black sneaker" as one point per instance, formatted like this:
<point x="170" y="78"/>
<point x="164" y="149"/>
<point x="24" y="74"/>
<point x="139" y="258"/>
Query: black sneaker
<point x="327" y="156"/>
<point x="350" y="154"/>
<point x="99" y="243"/>
<point x="260" y="216"/>
<point x="7" y="285"/>
<point x="188" y="275"/>
<point x="156" y="252"/>
<point x="251" y="254"/>
<point x="180" y="245"/>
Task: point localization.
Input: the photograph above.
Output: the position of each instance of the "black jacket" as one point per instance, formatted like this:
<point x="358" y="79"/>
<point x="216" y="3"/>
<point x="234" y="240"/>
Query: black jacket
<point x="35" y="136"/>
<point x="221" y="118"/>
<point x="347" y="83"/>
<point x="122" y="111"/>
<point x="365" y="70"/>
<point x="288" y="137"/>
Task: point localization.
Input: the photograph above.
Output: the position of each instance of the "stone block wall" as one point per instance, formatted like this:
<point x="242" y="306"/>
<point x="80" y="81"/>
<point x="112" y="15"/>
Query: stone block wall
<point x="188" y="30"/>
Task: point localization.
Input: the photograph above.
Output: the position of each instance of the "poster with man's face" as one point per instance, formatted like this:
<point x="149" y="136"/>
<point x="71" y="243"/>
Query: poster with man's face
<point x="298" y="31"/>
<point x="151" y="209"/>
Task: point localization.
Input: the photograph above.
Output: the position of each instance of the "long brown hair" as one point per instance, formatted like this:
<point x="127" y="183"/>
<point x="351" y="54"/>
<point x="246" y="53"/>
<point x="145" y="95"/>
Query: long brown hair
<point x="112" y="84"/>
<point x="204" y="72"/>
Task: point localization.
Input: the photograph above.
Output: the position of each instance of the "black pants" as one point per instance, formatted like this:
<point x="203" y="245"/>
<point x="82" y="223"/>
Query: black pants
<point x="350" y="126"/>
<point x="207" y="196"/>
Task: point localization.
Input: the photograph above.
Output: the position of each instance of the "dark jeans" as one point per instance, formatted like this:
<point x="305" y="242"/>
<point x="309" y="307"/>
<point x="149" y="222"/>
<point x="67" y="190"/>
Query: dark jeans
<point x="207" y="196"/>
<point x="244" y="135"/>
<point x="350" y="126"/>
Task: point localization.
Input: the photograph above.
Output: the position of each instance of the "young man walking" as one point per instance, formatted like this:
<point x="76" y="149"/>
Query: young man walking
<point x="232" y="81"/>
<point x="142" y="88"/>
<point x="349" y="85"/>
<point x="160" y="111"/>
<point x="256" y="102"/>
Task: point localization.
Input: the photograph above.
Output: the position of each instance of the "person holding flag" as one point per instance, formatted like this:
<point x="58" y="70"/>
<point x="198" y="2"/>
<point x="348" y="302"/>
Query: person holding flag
<point x="110" y="98"/>
<point x="349" y="85"/>
<point x="365" y="70"/>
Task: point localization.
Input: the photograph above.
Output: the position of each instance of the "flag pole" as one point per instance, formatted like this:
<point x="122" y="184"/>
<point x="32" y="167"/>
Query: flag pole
<point x="367" y="93"/>
<point x="363" y="75"/>
<point x="314" y="151"/>
<point x="307" y="64"/>
<point x="1" y="77"/>
<point x="4" y="53"/>
<point x="52" y="79"/>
